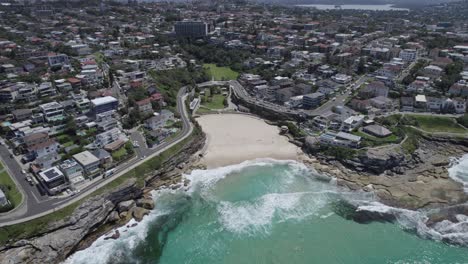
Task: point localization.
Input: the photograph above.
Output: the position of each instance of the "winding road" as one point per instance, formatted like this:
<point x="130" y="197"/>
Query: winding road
<point x="34" y="205"/>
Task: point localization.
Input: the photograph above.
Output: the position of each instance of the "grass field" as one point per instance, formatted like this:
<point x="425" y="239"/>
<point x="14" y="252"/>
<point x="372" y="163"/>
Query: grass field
<point x="220" y="73"/>
<point x="119" y="154"/>
<point x="9" y="187"/>
<point x="214" y="102"/>
<point x="438" y="124"/>
<point x="376" y="141"/>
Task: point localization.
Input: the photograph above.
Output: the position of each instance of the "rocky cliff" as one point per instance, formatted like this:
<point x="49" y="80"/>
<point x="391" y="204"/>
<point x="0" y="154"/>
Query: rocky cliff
<point x="415" y="181"/>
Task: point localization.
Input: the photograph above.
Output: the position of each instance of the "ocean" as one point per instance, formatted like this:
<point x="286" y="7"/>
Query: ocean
<point x="268" y="211"/>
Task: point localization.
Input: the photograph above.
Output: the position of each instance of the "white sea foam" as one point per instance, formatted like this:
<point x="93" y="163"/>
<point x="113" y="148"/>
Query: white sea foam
<point x="206" y="178"/>
<point x="446" y="230"/>
<point x="104" y="251"/>
<point x="459" y="171"/>
<point x="258" y="216"/>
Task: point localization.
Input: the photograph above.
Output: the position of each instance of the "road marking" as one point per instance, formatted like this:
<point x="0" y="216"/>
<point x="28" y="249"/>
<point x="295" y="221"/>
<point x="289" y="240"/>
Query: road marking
<point x="35" y="198"/>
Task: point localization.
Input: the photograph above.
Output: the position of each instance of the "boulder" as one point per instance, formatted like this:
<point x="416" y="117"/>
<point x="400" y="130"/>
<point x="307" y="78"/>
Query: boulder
<point x="114" y="236"/>
<point x="113" y="217"/>
<point x="125" y="206"/>
<point x="365" y="216"/>
<point x="138" y="213"/>
<point x="146" y="203"/>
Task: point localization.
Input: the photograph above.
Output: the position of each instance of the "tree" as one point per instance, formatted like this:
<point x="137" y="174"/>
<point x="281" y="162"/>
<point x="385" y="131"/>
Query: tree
<point x="361" y="68"/>
<point x="70" y="126"/>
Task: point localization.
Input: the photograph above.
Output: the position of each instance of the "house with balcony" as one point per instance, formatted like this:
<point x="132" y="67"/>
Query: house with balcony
<point x="46" y="89"/>
<point x="52" y="111"/>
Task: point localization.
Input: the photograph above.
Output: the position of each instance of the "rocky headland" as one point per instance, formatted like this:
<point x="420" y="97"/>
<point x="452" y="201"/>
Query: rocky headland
<point x="418" y="182"/>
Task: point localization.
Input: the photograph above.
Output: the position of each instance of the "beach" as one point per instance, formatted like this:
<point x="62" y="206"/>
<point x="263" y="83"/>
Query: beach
<point x="234" y="138"/>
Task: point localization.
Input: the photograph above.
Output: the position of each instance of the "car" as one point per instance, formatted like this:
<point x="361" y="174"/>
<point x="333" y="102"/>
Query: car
<point x="23" y="171"/>
<point x="11" y="156"/>
<point x="30" y="180"/>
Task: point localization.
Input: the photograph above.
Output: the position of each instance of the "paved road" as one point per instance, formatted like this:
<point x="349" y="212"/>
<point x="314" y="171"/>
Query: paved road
<point x="35" y="206"/>
<point x="240" y="91"/>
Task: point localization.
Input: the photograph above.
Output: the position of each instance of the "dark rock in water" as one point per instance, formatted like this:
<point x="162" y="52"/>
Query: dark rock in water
<point x="448" y="213"/>
<point x="365" y="216"/>
<point x="146" y="203"/>
<point x="116" y="235"/>
<point x="138" y="213"/>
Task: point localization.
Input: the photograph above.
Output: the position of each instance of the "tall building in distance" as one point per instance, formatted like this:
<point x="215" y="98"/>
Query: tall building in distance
<point x="193" y="29"/>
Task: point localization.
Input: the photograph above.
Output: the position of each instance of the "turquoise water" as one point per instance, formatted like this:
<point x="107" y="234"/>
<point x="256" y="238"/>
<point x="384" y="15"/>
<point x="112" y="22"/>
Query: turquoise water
<point x="263" y="212"/>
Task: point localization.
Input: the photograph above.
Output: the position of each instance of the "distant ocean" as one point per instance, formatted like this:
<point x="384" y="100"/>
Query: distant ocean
<point x="266" y="211"/>
<point x="355" y="7"/>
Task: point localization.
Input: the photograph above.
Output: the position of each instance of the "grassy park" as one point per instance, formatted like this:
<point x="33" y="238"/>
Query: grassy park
<point x="438" y="124"/>
<point x="9" y="188"/>
<point x="220" y="73"/>
<point x="373" y="141"/>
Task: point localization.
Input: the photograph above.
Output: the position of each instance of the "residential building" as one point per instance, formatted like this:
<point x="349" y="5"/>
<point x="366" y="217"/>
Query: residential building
<point x="194" y="29"/>
<point x="144" y="107"/>
<point x="108" y="137"/>
<point x="407" y="104"/>
<point x="52" y="111"/>
<point x="88" y="161"/>
<point x="26" y="91"/>
<point x="420" y="102"/>
<point x="313" y="100"/>
<point x="53" y="180"/>
<point x="408" y="55"/>
<point x="83" y="105"/>
<point x="55" y="60"/>
<point x="46" y="89"/>
<point x="340" y="139"/>
<point x="377" y="131"/>
<point x="352" y="123"/>
<point x="342" y="78"/>
<point x="104" y="104"/>
<point x="105" y="158"/>
<point x="21" y="114"/>
<point x="382" y="103"/>
<point x="72" y="170"/>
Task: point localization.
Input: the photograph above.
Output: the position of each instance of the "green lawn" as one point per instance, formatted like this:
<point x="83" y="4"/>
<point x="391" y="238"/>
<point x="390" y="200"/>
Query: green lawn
<point x="438" y="124"/>
<point x="67" y="144"/>
<point x="214" y="102"/>
<point x="119" y="154"/>
<point x="220" y="73"/>
<point x="376" y="141"/>
<point x="9" y="187"/>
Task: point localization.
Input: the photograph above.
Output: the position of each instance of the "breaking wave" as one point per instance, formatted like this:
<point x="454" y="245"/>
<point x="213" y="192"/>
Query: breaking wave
<point x="458" y="171"/>
<point x="291" y="193"/>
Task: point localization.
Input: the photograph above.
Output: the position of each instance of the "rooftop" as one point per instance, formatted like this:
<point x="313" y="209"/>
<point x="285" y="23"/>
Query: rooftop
<point x="51" y="174"/>
<point x="85" y="158"/>
<point x="103" y="100"/>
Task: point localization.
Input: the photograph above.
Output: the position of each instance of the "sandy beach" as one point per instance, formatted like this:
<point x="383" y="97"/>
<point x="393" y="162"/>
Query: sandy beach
<point x="234" y="138"/>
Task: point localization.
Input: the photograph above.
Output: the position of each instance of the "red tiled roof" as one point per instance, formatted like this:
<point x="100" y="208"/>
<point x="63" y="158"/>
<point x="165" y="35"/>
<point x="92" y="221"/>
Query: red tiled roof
<point x="144" y="101"/>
